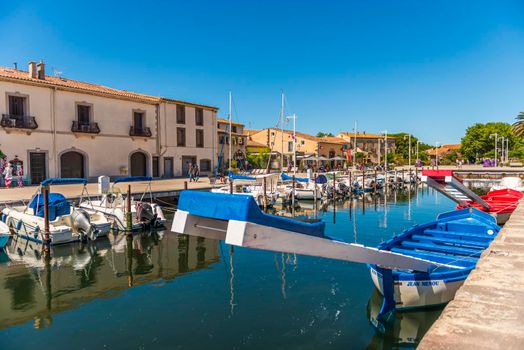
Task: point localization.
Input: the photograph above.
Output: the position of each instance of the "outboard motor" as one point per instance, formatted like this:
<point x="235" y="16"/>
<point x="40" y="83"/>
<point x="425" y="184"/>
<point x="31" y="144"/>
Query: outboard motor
<point x="82" y="224"/>
<point x="145" y="213"/>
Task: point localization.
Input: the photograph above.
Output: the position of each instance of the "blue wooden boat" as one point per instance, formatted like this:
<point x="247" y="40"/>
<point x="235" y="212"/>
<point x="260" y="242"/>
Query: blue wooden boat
<point x="456" y="238"/>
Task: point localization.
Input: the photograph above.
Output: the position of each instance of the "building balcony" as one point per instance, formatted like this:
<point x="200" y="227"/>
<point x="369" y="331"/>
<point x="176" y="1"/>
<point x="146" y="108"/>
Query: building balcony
<point x="18" y="122"/>
<point x="85" y="128"/>
<point x="140" y="132"/>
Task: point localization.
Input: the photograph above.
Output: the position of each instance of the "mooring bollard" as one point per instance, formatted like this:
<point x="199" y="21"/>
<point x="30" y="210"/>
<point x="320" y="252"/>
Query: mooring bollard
<point x="129" y="216"/>
<point x="47" y="240"/>
<point x="230" y="186"/>
<point x="315" y="188"/>
<point x="334" y="185"/>
<point x="375" y="187"/>
<point x="293" y="193"/>
<point x="363" y="181"/>
<point x="185" y="185"/>
<point x="350" y="183"/>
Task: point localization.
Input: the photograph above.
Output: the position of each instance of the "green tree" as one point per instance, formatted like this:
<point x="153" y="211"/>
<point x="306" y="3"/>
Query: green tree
<point x="401" y="155"/>
<point x="258" y="160"/>
<point x="518" y="126"/>
<point x="323" y="134"/>
<point x="477" y="142"/>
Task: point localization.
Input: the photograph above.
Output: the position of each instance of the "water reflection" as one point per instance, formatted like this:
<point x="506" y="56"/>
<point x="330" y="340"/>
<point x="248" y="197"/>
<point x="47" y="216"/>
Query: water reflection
<point x="34" y="286"/>
<point x="251" y="298"/>
<point x="405" y="329"/>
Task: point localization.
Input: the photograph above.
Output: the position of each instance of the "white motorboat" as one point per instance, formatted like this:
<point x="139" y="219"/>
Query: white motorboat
<point x="113" y="206"/>
<point x="255" y="191"/>
<point x="66" y="223"/>
<point x="304" y="188"/>
<point x="509" y="182"/>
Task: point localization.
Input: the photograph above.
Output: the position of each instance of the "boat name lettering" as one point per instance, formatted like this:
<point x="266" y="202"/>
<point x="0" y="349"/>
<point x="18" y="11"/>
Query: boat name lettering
<point x="423" y="283"/>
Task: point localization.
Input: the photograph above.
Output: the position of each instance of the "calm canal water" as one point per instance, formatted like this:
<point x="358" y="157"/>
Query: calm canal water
<point x="168" y="291"/>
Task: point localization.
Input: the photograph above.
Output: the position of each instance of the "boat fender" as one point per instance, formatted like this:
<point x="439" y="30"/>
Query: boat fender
<point x="37" y="230"/>
<point x="4" y="217"/>
<point x="19" y="225"/>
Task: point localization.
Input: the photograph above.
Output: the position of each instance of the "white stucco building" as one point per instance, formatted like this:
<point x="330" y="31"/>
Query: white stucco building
<point x="58" y="127"/>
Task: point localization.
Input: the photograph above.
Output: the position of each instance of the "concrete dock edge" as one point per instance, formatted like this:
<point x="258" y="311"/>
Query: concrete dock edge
<point x="488" y="310"/>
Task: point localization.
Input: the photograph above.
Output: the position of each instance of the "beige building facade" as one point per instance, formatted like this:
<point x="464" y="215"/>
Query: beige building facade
<point x="281" y="142"/>
<point x="372" y="145"/>
<point x="238" y="143"/>
<point x="57" y="127"/>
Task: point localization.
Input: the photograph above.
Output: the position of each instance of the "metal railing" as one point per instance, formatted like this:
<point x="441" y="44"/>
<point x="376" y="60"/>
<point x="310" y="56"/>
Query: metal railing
<point x="18" y="121"/>
<point x="88" y="128"/>
<point x="143" y="132"/>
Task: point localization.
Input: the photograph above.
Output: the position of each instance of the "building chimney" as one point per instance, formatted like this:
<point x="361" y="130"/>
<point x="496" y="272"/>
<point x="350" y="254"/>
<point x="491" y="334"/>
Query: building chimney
<point x="32" y="69"/>
<point x="41" y="70"/>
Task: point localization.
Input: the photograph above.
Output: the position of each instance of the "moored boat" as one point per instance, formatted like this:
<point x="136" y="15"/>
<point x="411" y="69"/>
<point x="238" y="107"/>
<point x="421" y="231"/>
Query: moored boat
<point x="5" y="234"/>
<point x="113" y="206"/>
<point x="456" y="238"/>
<point x="66" y="224"/>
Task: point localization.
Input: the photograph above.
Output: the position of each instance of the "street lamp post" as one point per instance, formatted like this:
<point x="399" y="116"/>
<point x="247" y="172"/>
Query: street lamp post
<point x="418" y="156"/>
<point x="294" y="117"/>
<point x="507" y="150"/>
<point x="409" y="150"/>
<point x="496" y="141"/>
<point x="502" y="150"/>
<point x="436" y="153"/>
<point x="385" y="150"/>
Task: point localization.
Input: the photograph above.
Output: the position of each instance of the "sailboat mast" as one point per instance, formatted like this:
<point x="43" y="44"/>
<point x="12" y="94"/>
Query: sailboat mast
<point x="282" y="132"/>
<point x="294" y="144"/>
<point x="230" y="116"/>
<point x="354" y="144"/>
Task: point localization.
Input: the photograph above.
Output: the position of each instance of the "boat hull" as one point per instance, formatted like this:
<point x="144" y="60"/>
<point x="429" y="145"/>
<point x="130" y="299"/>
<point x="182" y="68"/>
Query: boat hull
<point x="31" y="227"/>
<point x="420" y="293"/>
<point x="4" y="238"/>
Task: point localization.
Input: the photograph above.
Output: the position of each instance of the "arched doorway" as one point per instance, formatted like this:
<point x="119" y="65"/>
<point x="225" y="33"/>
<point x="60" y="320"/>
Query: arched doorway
<point x="138" y="162"/>
<point x="72" y="164"/>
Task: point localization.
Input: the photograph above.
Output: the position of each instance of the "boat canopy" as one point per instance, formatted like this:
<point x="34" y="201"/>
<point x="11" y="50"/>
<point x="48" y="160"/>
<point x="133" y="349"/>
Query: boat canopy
<point x="241" y="177"/>
<point x="222" y="206"/>
<point x="286" y="177"/>
<point x="63" y="181"/>
<point x="132" y="179"/>
<point x="58" y="205"/>
<point x="322" y="179"/>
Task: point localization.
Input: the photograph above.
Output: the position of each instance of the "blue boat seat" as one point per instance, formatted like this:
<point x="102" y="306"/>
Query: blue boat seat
<point x="442" y="248"/>
<point x="450" y="241"/>
<point x="438" y="257"/>
<point x="460" y="235"/>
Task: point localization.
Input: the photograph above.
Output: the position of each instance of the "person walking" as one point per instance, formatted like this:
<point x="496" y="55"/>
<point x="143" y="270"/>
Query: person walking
<point x="196" y="173"/>
<point x="8" y="175"/>
<point x="190" y="172"/>
<point x="3" y="165"/>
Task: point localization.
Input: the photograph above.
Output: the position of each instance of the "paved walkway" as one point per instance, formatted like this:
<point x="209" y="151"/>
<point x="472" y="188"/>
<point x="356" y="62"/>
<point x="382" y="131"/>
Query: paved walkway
<point x="159" y="187"/>
<point x="488" y="311"/>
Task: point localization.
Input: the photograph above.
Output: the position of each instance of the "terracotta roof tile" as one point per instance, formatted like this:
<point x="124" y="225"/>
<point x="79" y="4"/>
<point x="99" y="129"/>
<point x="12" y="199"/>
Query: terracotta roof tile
<point x="362" y="135"/>
<point x="67" y="84"/>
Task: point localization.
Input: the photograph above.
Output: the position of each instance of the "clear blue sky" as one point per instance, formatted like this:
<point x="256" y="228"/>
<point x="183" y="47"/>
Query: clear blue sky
<point x="426" y="67"/>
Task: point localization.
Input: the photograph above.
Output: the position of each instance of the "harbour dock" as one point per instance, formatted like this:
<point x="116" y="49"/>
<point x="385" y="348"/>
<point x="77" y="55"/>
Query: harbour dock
<point x="159" y="188"/>
<point x="488" y="310"/>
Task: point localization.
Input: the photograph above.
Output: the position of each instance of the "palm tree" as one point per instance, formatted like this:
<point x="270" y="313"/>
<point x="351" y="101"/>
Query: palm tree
<point x="518" y="126"/>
